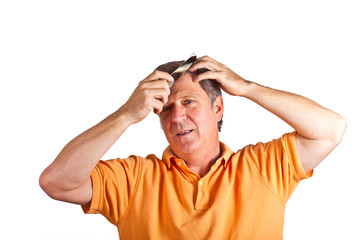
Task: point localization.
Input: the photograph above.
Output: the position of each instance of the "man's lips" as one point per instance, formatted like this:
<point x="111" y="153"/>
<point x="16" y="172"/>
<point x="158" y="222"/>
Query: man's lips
<point x="181" y="133"/>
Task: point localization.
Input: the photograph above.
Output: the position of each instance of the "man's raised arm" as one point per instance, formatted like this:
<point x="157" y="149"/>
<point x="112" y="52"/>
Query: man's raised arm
<point x="319" y="130"/>
<point x="68" y="176"/>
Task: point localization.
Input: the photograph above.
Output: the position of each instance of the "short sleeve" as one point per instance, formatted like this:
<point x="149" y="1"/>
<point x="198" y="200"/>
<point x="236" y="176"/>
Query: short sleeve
<point x="289" y="145"/>
<point x="113" y="183"/>
<point x="278" y="165"/>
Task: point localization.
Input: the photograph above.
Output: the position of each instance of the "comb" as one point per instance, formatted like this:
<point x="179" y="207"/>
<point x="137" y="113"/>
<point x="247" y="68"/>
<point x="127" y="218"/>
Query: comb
<point x="182" y="68"/>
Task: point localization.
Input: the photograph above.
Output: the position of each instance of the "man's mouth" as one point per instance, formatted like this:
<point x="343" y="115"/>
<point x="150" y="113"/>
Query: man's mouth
<point x="184" y="132"/>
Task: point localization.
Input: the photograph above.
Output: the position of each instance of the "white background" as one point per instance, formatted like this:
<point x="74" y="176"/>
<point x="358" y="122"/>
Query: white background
<point x="66" y="65"/>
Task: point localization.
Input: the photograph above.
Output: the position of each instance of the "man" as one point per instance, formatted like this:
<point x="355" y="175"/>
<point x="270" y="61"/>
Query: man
<point x="200" y="189"/>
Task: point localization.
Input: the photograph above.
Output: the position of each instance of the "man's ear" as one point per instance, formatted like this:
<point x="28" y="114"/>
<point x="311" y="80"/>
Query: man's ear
<point x="218" y="107"/>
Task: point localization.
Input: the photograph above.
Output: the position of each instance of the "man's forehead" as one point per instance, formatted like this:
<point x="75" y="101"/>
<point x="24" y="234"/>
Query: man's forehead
<point x="186" y="87"/>
<point x="185" y="83"/>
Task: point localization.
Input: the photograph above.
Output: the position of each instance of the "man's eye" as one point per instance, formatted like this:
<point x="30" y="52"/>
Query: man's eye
<point x="188" y="101"/>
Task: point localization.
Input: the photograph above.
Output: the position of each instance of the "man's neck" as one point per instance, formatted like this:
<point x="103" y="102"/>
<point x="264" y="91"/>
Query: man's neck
<point x="201" y="163"/>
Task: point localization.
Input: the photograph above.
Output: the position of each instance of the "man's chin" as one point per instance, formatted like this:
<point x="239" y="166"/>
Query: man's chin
<point x="183" y="148"/>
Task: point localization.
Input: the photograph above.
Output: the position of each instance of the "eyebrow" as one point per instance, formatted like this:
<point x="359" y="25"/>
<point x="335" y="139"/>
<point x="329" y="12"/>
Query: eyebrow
<point x="181" y="98"/>
<point x="187" y="95"/>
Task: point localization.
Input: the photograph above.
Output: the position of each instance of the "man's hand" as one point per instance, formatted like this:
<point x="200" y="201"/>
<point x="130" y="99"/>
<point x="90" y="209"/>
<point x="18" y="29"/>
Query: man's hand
<point x="230" y="82"/>
<point x="150" y="95"/>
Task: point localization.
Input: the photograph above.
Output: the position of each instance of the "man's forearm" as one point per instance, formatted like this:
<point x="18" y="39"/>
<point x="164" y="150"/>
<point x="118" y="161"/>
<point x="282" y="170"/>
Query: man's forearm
<point x="68" y="177"/>
<point x="74" y="164"/>
<point x="307" y="117"/>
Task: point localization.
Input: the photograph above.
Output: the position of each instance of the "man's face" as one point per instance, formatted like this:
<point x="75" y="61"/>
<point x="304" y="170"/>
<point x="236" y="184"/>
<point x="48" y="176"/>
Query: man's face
<point x="188" y="119"/>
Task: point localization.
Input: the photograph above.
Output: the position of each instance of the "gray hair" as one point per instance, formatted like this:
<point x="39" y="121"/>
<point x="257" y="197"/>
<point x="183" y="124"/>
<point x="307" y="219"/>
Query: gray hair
<point x="210" y="86"/>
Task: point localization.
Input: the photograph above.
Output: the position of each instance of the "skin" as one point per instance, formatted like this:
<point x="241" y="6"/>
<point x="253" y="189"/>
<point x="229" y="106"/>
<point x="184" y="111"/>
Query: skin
<point x="190" y="121"/>
<point x="186" y="107"/>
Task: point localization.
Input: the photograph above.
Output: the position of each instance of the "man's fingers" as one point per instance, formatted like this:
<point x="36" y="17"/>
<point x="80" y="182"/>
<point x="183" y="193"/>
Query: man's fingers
<point x="156" y="84"/>
<point x="159" y="75"/>
<point x="163" y="97"/>
<point x="205" y="62"/>
<point x="155" y="89"/>
<point x="208" y="75"/>
<point x="158" y="104"/>
<point x="156" y="98"/>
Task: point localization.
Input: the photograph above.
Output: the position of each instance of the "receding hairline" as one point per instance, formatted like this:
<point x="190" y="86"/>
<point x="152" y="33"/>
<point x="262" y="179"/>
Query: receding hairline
<point x="210" y="86"/>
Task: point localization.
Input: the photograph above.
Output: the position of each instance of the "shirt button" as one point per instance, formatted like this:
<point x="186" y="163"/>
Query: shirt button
<point x="179" y="163"/>
<point x="200" y="183"/>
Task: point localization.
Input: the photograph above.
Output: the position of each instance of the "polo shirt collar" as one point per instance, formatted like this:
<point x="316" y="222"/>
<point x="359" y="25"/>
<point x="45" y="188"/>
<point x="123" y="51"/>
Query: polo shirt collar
<point x="168" y="156"/>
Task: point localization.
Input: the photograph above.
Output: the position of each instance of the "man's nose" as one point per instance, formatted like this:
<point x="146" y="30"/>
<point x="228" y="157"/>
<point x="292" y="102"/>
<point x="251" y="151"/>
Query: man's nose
<point x="178" y="114"/>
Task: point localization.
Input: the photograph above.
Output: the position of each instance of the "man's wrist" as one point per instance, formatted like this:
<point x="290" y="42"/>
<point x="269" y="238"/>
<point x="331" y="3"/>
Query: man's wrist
<point x="248" y="89"/>
<point x="122" y="117"/>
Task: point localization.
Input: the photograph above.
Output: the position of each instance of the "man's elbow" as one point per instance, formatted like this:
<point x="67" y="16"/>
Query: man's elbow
<point x="48" y="185"/>
<point x="339" y="130"/>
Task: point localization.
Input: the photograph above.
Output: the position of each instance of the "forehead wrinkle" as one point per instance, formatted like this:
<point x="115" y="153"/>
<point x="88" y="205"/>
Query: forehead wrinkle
<point x="184" y="94"/>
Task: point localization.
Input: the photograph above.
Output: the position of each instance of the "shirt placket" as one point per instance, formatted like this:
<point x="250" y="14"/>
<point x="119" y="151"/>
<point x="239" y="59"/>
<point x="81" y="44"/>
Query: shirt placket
<point x="201" y="202"/>
<point x="201" y="185"/>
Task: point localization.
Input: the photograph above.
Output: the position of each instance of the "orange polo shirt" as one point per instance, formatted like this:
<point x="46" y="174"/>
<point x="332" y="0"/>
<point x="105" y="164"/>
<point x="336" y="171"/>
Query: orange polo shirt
<point x="243" y="196"/>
